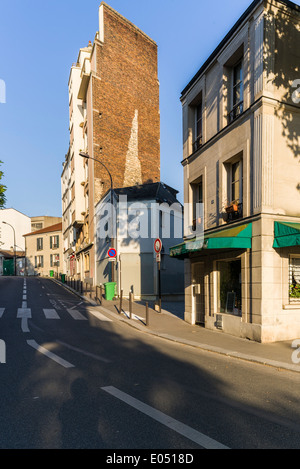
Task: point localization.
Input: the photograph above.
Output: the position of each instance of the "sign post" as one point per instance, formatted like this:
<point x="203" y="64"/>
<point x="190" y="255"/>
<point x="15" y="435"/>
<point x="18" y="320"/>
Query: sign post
<point x="112" y="254"/>
<point x="157" y="249"/>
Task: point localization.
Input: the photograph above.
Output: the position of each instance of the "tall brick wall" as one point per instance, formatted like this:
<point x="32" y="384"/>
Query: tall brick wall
<point x="126" y="121"/>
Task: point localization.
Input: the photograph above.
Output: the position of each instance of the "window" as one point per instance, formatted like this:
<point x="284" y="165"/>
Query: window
<point x="86" y="262"/>
<point x="54" y="260"/>
<point x="39" y="261"/>
<point x="234" y="208"/>
<point x="230" y="288"/>
<point x="39" y="244"/>
<point x="54" y="242"/>
<point x="235" y="181"/>
<point x="294" y="280"/>
<point x="237" y="91"/>
<point x="197" y="188"/>
<point x="198" y="127"/>
<point x="36" y="226"/>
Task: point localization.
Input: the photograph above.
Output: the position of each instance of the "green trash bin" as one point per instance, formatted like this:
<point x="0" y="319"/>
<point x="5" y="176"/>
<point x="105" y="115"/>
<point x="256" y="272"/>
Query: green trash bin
<point x="51" y="273"/>
<point x="63" y="278"/>
<point x="110" y="290"/>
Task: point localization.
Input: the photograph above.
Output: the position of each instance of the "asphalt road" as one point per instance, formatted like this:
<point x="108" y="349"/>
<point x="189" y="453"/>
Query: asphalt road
<point x="73" y="377"/>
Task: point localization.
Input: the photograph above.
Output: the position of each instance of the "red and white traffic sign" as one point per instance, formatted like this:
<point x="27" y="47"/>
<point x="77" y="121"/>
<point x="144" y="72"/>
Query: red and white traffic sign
<point x="157" y="245"/>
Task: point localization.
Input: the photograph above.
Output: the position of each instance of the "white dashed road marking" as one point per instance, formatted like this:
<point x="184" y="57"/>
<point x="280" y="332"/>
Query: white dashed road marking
<point x="49" y="354"/>
<point x="76" y="315"/>
<point x="184" y="430"/>
<point x="51" y="314"/>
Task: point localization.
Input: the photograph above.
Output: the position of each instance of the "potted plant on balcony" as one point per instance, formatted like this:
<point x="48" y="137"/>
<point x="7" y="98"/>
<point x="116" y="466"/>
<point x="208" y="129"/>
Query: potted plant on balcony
<point x="232" y="207"/>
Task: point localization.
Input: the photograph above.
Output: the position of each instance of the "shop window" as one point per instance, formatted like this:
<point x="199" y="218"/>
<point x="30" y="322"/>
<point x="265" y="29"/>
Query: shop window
<point x="230" y="287"/>
<point x="294" y="280"/>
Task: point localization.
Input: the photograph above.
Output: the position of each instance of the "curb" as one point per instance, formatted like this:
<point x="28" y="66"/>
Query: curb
<point x="207" y="348"/>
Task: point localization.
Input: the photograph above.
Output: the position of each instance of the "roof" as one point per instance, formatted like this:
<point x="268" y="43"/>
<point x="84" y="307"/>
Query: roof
<point x="249" y="10"/>
<point x="153" y="191"/>
<point x="10" y="254"/>
<point x="48" y="229"/>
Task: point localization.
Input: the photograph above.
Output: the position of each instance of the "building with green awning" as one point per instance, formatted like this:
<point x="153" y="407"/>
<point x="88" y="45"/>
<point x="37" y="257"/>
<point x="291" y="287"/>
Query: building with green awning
<point x="237" y="237"/>
<point x="241" y="122"/>
<point x="286" y="234"/>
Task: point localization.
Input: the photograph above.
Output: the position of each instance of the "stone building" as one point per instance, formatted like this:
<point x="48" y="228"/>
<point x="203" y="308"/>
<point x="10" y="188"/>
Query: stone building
<point x="114" y="118"/>
<point x="241" y="121"/>
<point x="44" y="251"/>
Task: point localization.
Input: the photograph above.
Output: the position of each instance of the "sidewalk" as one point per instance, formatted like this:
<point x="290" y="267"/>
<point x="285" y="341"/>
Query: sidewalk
<point x="169" y="324"/>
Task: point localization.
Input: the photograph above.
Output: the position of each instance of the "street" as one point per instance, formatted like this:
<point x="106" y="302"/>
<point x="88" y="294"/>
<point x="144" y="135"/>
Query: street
<point x="74" y="377"/>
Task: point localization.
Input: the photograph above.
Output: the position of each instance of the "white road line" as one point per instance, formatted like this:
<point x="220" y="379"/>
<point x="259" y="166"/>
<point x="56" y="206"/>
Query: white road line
<point x="133" y="316"/>
<point x="50" y="314"/>
<point x="99" y="315"/>
<point x="24" y="304"/>
<point x="97" y="357"/>
<point x="24" y="325"/>
<point x="75" y="306"/>
<point x="49" y="354"/>
<point x="24" y="313"/>
<point x="76" y="315"/>
<point x="1" y="312"/>
<point x="25" y="297"/>
<point x="184" y="430"/>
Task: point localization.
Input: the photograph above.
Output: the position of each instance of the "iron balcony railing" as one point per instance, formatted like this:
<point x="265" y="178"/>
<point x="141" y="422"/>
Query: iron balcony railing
<point x="236" y="111"/>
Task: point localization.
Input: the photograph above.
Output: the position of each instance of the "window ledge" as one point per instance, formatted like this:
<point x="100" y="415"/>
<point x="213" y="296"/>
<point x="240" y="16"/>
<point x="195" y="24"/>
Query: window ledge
<point x="292" y="306"/>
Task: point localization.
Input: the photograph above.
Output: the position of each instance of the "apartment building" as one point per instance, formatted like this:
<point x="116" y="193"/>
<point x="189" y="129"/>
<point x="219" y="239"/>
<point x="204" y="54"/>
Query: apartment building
<point x="114" y="119"/>
<point x="43" y="221"/>
<point x="44" y="251"/>
<point x="241" y="121"/>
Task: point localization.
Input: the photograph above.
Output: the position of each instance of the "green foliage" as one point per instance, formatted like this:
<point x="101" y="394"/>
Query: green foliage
<point x="2" y="190"/>
<point x="295" y="291"/>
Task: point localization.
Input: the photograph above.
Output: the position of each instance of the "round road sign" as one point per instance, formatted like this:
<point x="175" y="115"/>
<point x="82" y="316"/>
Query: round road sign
<point x="112" y="252"/>
<point x="157" y="245"/>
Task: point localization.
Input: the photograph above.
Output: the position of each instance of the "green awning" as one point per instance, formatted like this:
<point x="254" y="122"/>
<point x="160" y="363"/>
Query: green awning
<point x="238" y="237"/>
<point x="286" y="234"/>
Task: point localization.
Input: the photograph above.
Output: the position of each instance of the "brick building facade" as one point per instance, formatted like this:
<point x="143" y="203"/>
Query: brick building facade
<point x="117" y="101"/>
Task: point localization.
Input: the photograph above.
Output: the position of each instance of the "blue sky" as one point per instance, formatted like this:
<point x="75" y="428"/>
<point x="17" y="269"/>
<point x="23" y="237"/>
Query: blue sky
<point x="39" y="42"/>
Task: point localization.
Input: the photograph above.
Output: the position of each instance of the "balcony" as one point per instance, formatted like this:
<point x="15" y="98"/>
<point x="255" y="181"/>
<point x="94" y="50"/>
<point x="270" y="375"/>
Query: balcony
<point x="85" y="78"/>
<point x="236" y="111"/>
<point x="198" y="143"/>
<point x="233" y="211"/>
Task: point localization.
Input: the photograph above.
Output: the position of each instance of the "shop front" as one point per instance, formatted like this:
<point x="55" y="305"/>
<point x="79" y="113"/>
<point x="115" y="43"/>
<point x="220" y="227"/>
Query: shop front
<point x="245" y="280"/>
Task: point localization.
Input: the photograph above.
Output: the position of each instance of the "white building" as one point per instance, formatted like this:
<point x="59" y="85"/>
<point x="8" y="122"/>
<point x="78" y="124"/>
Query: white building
<point x="74" y="195"/>
<point x="142" y="214"/>
<point x="13" y="225"/>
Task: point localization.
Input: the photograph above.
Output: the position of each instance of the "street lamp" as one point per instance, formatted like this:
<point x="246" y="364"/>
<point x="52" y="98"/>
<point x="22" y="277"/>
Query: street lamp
<point x="85" y="155"/>
<point x="5" y="223"/>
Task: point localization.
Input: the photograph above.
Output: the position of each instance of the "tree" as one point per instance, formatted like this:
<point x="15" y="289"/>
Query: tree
<point x="2" y="190"/>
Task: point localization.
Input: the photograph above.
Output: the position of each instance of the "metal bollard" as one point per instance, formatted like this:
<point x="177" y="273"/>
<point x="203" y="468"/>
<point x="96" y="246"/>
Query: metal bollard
<point x="121" y="301"/>
<point x="130" y="305"/>
<point x="147" y="314"/>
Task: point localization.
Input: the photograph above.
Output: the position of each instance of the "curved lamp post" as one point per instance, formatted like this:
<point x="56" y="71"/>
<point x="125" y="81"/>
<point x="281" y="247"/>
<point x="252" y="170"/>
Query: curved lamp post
<point x="85" y="155"/>
<point x="5" y="223"/>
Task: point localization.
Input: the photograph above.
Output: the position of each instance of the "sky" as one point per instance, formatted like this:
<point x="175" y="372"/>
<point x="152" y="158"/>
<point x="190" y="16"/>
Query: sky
<point x="39" y="41"/>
